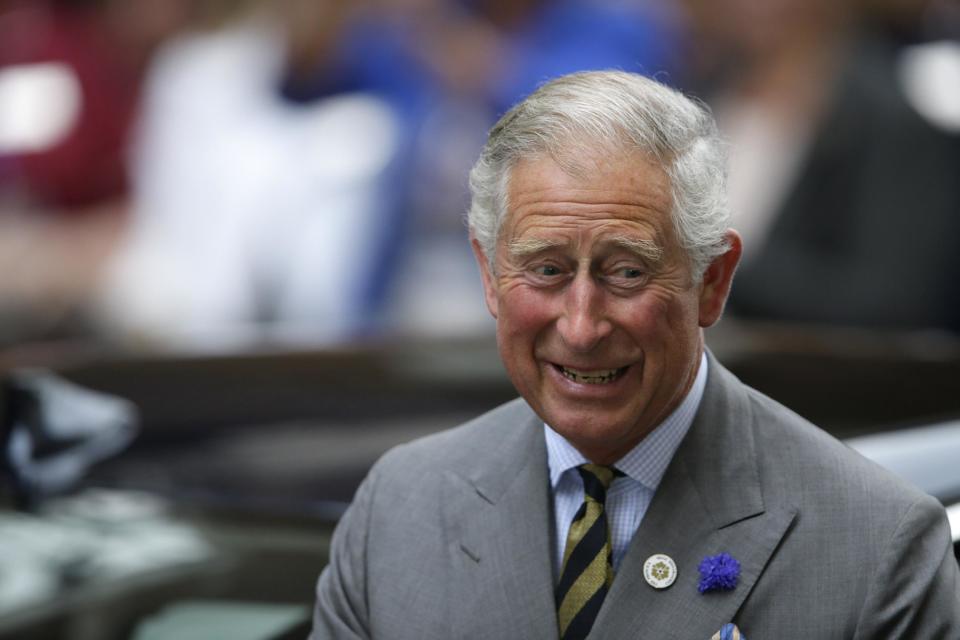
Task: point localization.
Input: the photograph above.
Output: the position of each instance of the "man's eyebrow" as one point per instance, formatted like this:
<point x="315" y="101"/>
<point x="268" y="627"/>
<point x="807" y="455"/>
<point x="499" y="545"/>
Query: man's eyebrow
<point x="520" y="247"/>
<point x="648" y="250"/>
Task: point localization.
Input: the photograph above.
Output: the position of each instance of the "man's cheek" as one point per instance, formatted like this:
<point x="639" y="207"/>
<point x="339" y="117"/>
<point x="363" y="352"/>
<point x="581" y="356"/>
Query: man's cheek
<point x="524" y="314"/>
<point x="648" y="314"/>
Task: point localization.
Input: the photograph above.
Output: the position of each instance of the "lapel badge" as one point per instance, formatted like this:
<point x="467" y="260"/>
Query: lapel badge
<point x="660" y="571"/>
<point x="719" y="573"/>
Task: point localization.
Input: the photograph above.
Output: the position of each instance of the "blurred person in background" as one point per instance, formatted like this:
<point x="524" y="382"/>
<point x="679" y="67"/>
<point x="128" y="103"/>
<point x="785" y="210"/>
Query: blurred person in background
<point x="193" y="197"/>
<point x="70" y="73"/>
<point x="846" y="156"/>
<point x="260" y="206"/>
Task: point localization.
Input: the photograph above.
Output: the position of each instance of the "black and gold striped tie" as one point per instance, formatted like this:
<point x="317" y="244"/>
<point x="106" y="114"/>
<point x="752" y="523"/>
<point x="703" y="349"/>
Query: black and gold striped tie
<point x="587" y="558"/>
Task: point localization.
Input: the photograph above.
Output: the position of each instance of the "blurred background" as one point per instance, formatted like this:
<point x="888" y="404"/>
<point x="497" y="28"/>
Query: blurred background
<point x="234" y="267"/>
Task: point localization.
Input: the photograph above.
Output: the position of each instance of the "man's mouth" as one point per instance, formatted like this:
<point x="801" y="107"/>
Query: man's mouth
<point x="599" y="376"/>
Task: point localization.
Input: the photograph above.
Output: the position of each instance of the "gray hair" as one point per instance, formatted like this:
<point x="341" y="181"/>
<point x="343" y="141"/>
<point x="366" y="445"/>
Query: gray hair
<point x="619" y="111"/>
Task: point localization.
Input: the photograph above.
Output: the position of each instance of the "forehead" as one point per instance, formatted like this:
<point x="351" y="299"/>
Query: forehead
<point x="621" y="193"/>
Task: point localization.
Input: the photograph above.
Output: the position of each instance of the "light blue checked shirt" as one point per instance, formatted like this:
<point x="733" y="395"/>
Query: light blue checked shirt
<point x="629" y="496"/>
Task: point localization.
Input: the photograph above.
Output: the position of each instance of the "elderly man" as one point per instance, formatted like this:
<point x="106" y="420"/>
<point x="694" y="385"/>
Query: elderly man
<point x="638" y="489"/>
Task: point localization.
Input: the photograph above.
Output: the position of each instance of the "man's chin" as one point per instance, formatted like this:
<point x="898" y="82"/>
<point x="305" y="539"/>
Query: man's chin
<point x="590" y="432"/>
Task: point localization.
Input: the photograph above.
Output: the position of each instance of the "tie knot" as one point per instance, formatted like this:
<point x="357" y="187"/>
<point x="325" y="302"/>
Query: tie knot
<point x="596" y="480"/>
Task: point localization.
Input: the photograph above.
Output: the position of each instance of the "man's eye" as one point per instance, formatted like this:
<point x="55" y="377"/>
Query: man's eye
<point x="546" y="270"/>
<point x="628" y="277"/>
<point x="629" y="273"/>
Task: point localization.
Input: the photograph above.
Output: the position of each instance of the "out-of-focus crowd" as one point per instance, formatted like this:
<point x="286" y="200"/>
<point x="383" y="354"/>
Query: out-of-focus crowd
<point x="205" y="174"/>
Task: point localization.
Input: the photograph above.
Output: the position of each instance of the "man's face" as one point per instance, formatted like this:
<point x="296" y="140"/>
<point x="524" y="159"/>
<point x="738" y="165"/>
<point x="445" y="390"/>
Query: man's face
<point x="598" y="317"/>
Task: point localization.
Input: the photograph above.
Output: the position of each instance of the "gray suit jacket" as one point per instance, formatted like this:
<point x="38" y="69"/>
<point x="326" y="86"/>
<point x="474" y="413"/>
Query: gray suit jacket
<point x="451" y="537"/>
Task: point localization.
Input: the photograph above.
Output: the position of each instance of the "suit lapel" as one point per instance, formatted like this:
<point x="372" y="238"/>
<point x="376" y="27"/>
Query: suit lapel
<point x="499" y="514"/>
<point x="709" y="501"/>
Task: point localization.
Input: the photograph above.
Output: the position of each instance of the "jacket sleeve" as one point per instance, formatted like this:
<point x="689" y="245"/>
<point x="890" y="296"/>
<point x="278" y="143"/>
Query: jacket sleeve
<point x="915" y="590"/>
<point x="341" y="610"/>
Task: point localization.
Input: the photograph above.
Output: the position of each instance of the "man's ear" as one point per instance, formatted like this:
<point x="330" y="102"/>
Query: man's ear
<point x="486" y="274"/>
<point x="717" y="280"/>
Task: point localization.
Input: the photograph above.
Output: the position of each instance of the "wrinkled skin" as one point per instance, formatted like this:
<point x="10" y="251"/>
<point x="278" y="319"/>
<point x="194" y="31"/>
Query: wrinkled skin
<point x="598" y="314"/>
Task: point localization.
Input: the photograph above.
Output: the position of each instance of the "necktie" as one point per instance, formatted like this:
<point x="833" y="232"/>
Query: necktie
<point x="587" y="558"/>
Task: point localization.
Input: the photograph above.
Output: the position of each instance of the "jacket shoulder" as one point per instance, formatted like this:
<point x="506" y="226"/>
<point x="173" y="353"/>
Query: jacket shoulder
<point x="849" y="508"/>
<point x="817" y="463"/>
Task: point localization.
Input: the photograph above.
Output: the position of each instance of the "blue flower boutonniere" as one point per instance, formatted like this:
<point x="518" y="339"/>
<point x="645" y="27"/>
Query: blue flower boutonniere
<point x="719" y="573"/>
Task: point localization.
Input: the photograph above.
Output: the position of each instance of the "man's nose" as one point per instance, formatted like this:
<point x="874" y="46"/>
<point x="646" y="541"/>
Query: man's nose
<point x="584" y="323"/>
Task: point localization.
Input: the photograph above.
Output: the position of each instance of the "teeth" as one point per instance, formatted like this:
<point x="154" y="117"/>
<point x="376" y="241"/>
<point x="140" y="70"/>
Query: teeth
<point x="602" y="376"/>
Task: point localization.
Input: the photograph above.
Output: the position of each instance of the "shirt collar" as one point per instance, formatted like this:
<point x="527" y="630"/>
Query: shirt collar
<point x="646" y="462"/>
